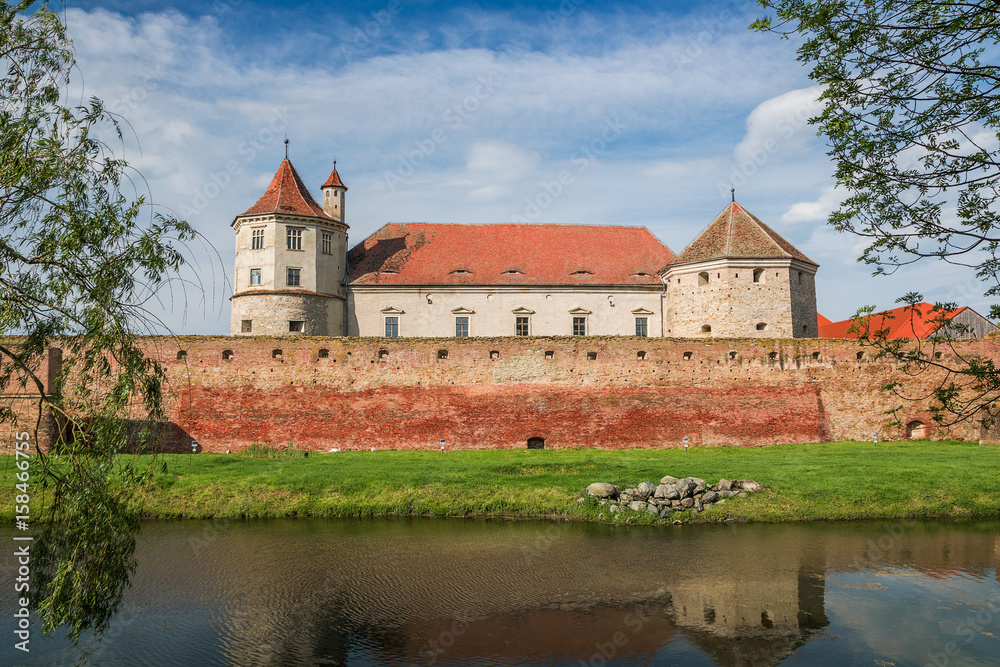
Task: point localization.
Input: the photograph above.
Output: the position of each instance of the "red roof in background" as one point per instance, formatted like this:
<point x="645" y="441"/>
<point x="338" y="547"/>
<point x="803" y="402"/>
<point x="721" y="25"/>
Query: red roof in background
<point x="904" y="323"/>
<point x="287" y="194"/>
<point x="508" y="254"/>
<point x="334" y="180"/>
<point x="736" y="232"/>
<point x="822" y="321"/>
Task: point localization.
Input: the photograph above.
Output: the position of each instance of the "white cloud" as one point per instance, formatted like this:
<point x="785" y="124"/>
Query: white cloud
<point x="780" y="123"/>
<point x="814" y="211"/>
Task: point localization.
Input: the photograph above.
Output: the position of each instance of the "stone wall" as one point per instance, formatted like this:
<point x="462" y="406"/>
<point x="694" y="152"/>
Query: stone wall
<point x="607" y="392"/>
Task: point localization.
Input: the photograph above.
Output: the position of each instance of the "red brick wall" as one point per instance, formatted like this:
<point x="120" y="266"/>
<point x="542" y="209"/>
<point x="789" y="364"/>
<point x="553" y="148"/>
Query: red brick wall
<point x="397" y="393"/>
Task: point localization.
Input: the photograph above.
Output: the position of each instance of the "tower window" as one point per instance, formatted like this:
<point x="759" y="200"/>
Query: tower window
<point x="246" y="326"/>
<point x="294" y="277"/>
<point x="758" y="275"/>
<point x="707" y="328"/>
<point x="462" y="327"/>
<point x="254" y="277"/>
<point x="761" y="326"/>
<point x="296" y="326"/>
<point x="703" y="278"/>
<point x="641" y="329"/>
<point x="294" y="238"/>
<point x="327" y="243"/>
<point x="579" y="326"/>
<point x="392" y="326"/>
<point x="257" y="239"/>
<point x="521" y="326"/>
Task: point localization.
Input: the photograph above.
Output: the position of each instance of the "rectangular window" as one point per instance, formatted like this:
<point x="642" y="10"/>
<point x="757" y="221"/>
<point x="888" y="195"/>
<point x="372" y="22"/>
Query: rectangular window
<point x="521" y="326"/>
<point x="296" y="326"/>
<point x="294" y="237"/>
<point x="246" y="326"/>
<point x="462" y="327"/>
<point x="640" y="327"/>
<point x="392" y="327"/>
<point x="258" y="239"/>
<point x="579" y="326"/>
<point x="293" y="277"/>
<point x="327" y="244"/>
<point x="255" y="276"/>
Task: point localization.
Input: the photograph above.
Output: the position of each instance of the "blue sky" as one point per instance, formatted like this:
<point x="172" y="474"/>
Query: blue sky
<point x="458" y="112"/>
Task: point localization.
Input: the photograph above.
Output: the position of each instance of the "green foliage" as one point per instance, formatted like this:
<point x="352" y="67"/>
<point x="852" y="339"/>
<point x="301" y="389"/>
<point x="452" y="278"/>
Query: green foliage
<point x="911" y="112"/>
<point x="78" y="260"/>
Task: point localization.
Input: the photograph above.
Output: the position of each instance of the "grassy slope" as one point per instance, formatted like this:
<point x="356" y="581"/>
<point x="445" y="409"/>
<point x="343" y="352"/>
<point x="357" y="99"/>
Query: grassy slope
<point x="843" y="480"/>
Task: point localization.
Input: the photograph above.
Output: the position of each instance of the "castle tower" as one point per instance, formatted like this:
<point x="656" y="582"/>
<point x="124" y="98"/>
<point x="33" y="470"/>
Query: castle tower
<point x="739" y="278"/>
<point x="290" y="261"/>
<point x="334" y="194"/>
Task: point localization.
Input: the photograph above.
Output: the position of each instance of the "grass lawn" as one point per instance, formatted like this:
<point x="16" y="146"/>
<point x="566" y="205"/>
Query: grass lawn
<point x="839" y="480"/>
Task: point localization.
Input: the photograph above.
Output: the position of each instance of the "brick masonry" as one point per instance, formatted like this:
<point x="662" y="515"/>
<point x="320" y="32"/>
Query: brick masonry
<point x="606" y="392"/>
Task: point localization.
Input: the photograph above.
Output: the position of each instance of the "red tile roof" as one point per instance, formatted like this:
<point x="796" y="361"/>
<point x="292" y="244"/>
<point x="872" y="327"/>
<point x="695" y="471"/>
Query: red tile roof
<point x="507" y="254"/>
<point x="905" y="322"/>
<point x="822" y="321"/>
<point x="287" y="194"/>
<point x="738" y="233"/>
<point x="334" y="180"/>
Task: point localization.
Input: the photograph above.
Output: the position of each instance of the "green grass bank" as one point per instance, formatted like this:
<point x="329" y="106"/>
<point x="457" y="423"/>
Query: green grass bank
<point x="840" y="480"/>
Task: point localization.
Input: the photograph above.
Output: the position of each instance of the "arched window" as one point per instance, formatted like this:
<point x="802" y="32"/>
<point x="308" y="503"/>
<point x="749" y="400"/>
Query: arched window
<point x="703" y="278"/>
<point x="761" y="326"/>
<point x="758" y="275"/>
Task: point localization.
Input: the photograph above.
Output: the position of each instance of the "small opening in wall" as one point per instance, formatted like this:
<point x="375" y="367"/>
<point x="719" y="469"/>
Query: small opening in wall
<point x="591" y="356"/>
<point x="860" y="356"/>
<point x="182" y="355"/>
<point x="772" y="355"/>
<point x="758" y="275"/>
<point x="246" y="326"/>
<point x="641" y="355"/>
<point x="761" y="326"/>
<point x="687" y="356"/>
<point x="494" y="354"/>
<point x="732" y="355"/>
<point x="805" y="328"/>
<point x="323" y="354"/>
<point x="800" y="277"/>
<point x="227" y="355"/>
<point x="536" y="443"/>
<point x="937" y="355"/>
<point x="276" y="354"/>
<point x="382" y="354"/>
<point x="707" y="328"/>
<point x="815" y="356"/>
<point x="703" y="278"/>
<point x="549" y="355"/>
<point x="917" y="430"/>
<point x="296" y="326"/>
<point x="442" y="354"/>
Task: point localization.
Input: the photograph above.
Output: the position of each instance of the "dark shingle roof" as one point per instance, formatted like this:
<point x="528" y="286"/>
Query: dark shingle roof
<point x="736" y="232"/>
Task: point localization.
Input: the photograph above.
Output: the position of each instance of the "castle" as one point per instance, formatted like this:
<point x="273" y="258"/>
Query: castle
<point x="294" y="275"/>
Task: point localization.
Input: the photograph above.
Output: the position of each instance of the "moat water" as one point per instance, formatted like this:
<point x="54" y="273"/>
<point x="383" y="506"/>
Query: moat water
<point x="470" y="593"/>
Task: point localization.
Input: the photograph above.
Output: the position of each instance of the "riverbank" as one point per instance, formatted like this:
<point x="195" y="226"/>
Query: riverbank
<point x="827" y="481"/>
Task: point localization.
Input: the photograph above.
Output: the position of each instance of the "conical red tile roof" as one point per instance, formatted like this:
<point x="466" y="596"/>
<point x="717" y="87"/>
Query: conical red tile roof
<point x="287" y="194"/>
<point x="334" y="180"/>
<point x="736" y="232"/>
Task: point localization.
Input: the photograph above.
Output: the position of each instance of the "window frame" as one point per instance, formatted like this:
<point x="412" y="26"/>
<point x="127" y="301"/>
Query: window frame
<point x="522" y="321"/>
<point x="297" y="275"/>
<point x="327" y="243"/>
<point x="293" y="238"/>
<point x="461" y="328"/>
<point x="255" y="273"/>
<point x="641" y="326"/>
<point x="257" y="239"/>
<point x="581" y="322"/>
<point x="391" y="321"/>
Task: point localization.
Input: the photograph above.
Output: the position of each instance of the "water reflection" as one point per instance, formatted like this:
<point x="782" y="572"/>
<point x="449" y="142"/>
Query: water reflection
<point x="443" y="592"/>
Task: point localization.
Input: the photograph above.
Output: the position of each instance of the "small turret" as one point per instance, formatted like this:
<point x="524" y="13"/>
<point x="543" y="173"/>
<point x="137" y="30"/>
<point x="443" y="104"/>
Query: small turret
<point x="334" y="192"/>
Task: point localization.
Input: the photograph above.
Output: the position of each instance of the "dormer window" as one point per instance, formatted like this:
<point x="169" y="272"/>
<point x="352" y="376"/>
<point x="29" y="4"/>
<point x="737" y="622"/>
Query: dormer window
<point x="514" y="272"/>
<point x="641" y="274"/>
<point x="462" y="271"/>
<point x="582" y="272"/>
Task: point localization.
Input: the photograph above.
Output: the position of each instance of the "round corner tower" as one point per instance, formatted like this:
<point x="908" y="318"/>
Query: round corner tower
<point x="291" y="256"/>
<point x="740" y="279"/>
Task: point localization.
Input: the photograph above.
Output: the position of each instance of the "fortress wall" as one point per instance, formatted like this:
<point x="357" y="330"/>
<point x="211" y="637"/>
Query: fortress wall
<point x="608" y="392"/>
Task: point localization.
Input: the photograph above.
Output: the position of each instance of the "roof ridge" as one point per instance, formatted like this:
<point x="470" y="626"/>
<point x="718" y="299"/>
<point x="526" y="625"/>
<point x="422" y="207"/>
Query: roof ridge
<point x="287" y="193"/>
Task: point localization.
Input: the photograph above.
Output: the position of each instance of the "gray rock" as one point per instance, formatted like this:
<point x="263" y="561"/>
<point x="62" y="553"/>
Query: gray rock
<point x="742" y="494"/>
<point x="631" y="492"/>
<point x="695" y="512"/>
<point x="602" y="490"/>
<point x="665" y="512"/>
<point x="687" y="502"/>
<point x="613" y="508"/>
<point x="707" y="506"/>
<point x="646" y="489"/>
<point x="748" y="485"/>
<point x="653" y="509"/>
<point x="725" y="485"/>
<point x="675" y="503"/>
<point x="721" y="502"/>
<point x="669" y="480"/>
<point x="698" y="505"/>
<point x="710" y="497"/>
<point x="637" y="506"/>
<point x="726" y="494"/>
<point x="700" y="484"/>
<point x="685" y="488"/>
<point x="667" y="492"/>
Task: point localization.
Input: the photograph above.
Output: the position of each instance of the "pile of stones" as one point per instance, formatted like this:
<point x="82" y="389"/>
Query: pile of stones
<point x="689" y="494"/>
